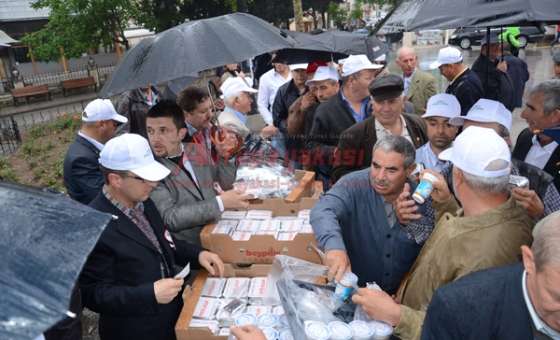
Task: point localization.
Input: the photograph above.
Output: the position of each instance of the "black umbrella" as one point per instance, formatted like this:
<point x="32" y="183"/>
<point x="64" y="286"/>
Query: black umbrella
<point x="331" y="45"/>
<point x="45" y="241"/>
<point x="179" y="53"/>
<point x="449" y="14"/>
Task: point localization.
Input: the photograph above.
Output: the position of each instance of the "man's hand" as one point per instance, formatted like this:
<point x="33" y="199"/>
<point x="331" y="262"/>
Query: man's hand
<point x="502" y="66"/>
<point x="441" y="193"/>
<point x="247" y="333"/>
<point x="211" y="262"/>
<point x="529" y="200"/>
<point x="405" y="207"/>
<point x="228" y="145"/>
<point x="235" y="199"/>
<point x="307" y="100"/>
<point x="378" y="305"/>
<point x="269" y="131"/>
<point x="338" y="262"/>
<point x="166" y="290"/>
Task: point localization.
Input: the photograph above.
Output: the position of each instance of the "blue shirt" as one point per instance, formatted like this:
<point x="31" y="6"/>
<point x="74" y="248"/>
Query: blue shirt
<point x="429" y="159"/>
<point x="239" y="115"/>
<point x="358" y="116"/>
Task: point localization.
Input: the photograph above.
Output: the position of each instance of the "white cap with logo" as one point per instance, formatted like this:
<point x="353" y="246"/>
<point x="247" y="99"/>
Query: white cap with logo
<point x="324" y="73"/>
<point x="298" y="67"/>
<point x="356" y="63"/>
<point x="101" y="109"/>
<point x="486" y="111"/>
<point x="443" y="105"/>
<point x="131" y="152"/>
<point x="479" y="151"/>
<point x="447" y="55"/>
<point x="233" y="86"/>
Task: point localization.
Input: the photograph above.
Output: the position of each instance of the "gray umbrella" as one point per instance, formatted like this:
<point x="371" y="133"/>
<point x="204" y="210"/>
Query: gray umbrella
<point x="179" y="53"/>
<point x="46" y="239"/>
<point x="448" y="14"/>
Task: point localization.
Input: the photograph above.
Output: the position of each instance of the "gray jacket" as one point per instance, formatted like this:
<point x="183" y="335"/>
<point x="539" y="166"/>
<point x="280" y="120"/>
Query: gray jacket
<point x="184" y="208"/>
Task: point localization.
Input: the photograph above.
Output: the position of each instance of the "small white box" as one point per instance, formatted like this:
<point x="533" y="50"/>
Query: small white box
<point x="270" y="225"/>
<point x="258" y="310"/>
<point x="206" y="308"/>
<point x="213" y="287"/>
<point x="304" y="213"/>
<point x="237" y="287"/>
<point x="306" y="228"/>
<point x="278" y="310"/>
<point x="259" y="214"/>
<point x="272" y="233"/>
<point x="247" y="225"/>
<point x="222" y="229"/>
<point x="210" y="324"/>
<point x="258" y="287"/>
<point x="291" y="226"/>
<point x="224" y="331"/>
<point x="286" y="236"/>
<point x="233" y="215"/>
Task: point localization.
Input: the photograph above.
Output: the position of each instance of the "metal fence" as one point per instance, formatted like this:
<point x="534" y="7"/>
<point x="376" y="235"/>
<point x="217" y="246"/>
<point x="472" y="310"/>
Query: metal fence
<point x="54" y="79"/>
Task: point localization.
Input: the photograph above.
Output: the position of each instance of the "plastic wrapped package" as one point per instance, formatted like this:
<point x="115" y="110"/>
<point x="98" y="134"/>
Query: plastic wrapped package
<point x="265" y="180"/>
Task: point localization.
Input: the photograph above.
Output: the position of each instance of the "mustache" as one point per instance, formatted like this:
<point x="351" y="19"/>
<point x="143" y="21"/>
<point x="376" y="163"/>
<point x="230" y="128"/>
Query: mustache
<point x="381" y="182"/>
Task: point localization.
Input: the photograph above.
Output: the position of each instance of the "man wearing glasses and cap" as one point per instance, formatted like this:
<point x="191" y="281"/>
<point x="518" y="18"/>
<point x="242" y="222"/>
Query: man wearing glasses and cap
<point x="82" y="178"/>
<point x="464" y="84"/>
<point x="130" y="278"/>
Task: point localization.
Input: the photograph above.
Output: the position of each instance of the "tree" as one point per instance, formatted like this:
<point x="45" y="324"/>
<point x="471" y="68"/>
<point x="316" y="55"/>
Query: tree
<point x="279" y="12"/>
<point x="76" y="26"/>
<point x="337" y="14"/>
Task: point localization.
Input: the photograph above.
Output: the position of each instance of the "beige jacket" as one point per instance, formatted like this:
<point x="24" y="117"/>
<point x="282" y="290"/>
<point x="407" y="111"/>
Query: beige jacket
<point x="422" y="87"/>
<point x="459" y="246"/>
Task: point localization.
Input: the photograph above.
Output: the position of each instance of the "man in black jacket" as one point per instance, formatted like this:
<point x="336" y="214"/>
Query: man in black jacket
<point x="463" y="82"/>
<point x="130" y="277"/>
<point x="513" y="302"/>
<point x="492" y="71"/>
<point x="350" y="106"/>
<point x="355" y="144"/>
<point x="82" y="178"/>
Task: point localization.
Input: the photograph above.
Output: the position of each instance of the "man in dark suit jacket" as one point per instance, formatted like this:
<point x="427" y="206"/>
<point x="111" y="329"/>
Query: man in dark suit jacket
<point x="514" y="302"/>
<point x="542" y="111"/>
<point x="82" y="177"/>
<point x="355" y="144"/>
<point x="130" y="276"/>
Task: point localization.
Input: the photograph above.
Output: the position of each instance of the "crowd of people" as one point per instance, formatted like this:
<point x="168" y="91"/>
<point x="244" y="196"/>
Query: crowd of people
<point x="448" y="268"/>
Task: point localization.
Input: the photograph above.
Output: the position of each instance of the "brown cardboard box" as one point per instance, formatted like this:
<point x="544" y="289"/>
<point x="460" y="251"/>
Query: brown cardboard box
<point x="192" y="294"/>
<point x="263" y="248"/>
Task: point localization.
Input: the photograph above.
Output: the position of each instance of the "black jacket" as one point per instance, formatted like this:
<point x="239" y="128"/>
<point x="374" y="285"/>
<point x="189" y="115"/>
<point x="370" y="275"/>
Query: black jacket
<point x="82" y="178"/>
<point x="519" y="74"/>
<point x="133" y="106"/>
<point x="487" y="304"/>
<point x="522" y="147"/>
<point x="495" y="83"/>
<point x="285" y="97"/>
<point x="468" y="90"/>
<point x="355" y="145"/>
<point x="118" y="279"/>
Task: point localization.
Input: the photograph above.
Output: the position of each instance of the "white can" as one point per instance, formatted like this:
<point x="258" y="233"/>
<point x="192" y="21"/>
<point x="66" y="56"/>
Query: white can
<point x="424" y="188"/>
<point x="317" y="330"/>
<point x="381" y="330"/>
<point x="361" y="330"/>
<point x="345" y="286"/>
<point x="270" y="333"/>
<point x="245" y="319"/>
<point x="340" y="330"/>
<point x="286" y="334"/>
<point x="268" y="320"/>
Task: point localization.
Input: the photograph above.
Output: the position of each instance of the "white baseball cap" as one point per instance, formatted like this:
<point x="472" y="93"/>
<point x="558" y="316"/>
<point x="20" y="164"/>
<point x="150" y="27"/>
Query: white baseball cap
<point x="443" y="105"/>
<point x="324" y="73"/>
<point x="131" y="152"/>
<point x="101" y="109"/>
<point x="298" y="67"/>
<point x="476" y="150"/>
<point x="486" y="111"/>
<point x="356" y="63"/>
<point x="233" y="86"/>
<point x="447" y="55"/>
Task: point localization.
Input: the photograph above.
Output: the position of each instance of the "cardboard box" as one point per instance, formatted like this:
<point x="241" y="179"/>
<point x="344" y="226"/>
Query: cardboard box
<point x="263" y="248"/>
<point x="192" y="294"/>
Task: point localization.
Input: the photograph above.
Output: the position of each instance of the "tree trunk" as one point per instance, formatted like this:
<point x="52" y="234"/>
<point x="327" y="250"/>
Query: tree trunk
<point x="298" y="15"/>
<point x="325" y="22"/>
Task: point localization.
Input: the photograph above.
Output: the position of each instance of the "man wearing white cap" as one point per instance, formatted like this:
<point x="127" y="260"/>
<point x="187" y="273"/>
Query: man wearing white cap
<point x="441" y="108"/>
<point x="419" y="86"/>
<point x="285" y="97"/>
<point x="350" y="106"/>
<point x="130" y="276"/>
<point x="463" y="82"/>
<point x="269" y="83"/>
<point x="236" y="94"/>
<point x="82" y="178"/>
<point x="464" y="240"/>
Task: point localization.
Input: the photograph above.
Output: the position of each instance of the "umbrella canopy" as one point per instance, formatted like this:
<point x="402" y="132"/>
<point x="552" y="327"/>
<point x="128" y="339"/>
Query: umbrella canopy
<point x="331" y="45"/>
<point x="183" y="51"/>
<point x="448" y="14"/>
<point x="45" y="241"/>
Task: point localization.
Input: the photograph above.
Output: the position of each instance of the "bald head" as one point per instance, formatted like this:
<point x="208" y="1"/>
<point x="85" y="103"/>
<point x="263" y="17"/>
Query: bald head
<point x="546" y="238"/>
<point x="407" y="60"/>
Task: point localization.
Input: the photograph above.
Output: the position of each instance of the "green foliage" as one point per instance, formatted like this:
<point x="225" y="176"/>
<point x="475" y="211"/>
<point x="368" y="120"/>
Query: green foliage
<point x="6" y="171"/>
<point x="77" y="26"/>
<point x="337" y="14"/>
